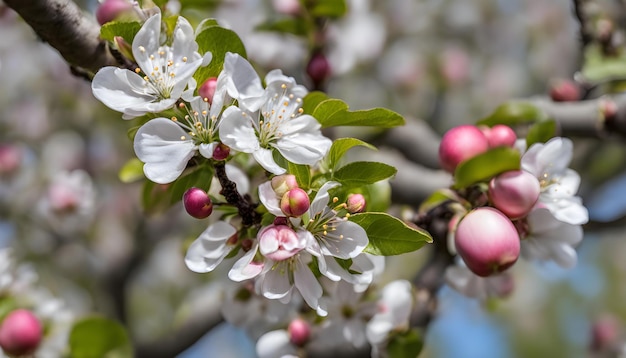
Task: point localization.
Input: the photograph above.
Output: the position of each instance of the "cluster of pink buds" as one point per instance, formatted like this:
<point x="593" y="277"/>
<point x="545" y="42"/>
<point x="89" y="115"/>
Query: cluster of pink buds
<point x="488" y="238"/>
<point x="467" y="141"/>
<point x="294" y="201"/>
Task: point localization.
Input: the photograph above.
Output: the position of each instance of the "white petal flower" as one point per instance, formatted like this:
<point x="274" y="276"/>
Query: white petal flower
<point x="164" y="72"/>
<point x="549" y="163"/>
<point x="394" y="309"/>
<point x="460" y="278"/>
<point x="210" y="248"/>
<point x="551" y="239"/>
<point x="270" y="119"/>
<point x="275" y="344"/>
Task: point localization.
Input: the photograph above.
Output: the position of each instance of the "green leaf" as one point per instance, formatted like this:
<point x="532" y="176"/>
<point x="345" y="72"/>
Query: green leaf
<point x="436" y="198"/>
<point x="302" y="173"/>
<point x="131" y="171"/>
<point x="513" y="113"/>
<point x="541" y="132"/>
<point x="329" y="8"/>
<point x="159" y="197"/>
<point x="288" y="26"/>
<point x="99" y="337"/>
<point x="218" y="41"/>
<point x="389" y="235"/>
<point x="334" y="112"/>
<point x="205" y="24"/>
<point x="311" y="101"/>
<point x="362" y="173"/>
<point x="485" y="166"/>
<point x="405" y="345"/>
<point x="341" y="146"/>
<point x="127" y="30"/>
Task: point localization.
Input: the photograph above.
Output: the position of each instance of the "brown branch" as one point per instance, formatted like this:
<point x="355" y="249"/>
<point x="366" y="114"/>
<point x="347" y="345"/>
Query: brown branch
<point x="63" y="25"/>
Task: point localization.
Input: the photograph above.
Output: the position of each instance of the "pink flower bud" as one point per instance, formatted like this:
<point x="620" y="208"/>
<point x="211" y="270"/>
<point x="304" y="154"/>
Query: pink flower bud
<point x="459" y="144"/>
<point x="109" y="10"/>
<point x="124" y="47"/>
<point x="318" y="69"/>
<point x="605" y="333"/>
<point x="355" y="203"/>
<point x="279" y="242"/>
<point x="221" y="152"/>
<point x="499" y="136"/>
<point x="487" y="241"/>
<point x="565" y="91"/>
<point x="197" y="203"/>
<point x="514" y="193"/>
<point x="287" y="7"/>
<point x="20" y="333"/>
<point x="10" y="158"/>
<point x="283" y="183"/>
<point x="295" y="202"/>
<point x="299" y="331"/>
<point x="207" y="89"/>
<point x="63" y="198"/>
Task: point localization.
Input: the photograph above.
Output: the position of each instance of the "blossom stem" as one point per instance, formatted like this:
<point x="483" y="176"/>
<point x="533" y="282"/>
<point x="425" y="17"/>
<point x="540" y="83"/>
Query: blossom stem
<point x="249" y="216"/>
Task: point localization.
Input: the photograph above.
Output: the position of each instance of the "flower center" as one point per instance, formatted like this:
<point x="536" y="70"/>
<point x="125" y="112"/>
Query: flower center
<point x="280" y="108"/>
<point x="160" y="78"/>
<point x="198" y="122"/>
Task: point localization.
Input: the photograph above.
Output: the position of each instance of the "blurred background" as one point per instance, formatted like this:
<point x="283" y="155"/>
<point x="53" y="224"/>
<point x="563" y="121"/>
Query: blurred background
<point x="64" y="209"/>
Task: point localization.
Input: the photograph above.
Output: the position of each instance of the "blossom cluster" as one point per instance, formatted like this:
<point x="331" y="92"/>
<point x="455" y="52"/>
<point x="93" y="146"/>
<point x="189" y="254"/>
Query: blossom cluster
<point x="532" y="211"/>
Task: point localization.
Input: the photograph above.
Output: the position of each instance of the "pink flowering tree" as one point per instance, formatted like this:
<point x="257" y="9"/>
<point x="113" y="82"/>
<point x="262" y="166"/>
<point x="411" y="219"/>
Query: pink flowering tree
<point x="200" y="164"/>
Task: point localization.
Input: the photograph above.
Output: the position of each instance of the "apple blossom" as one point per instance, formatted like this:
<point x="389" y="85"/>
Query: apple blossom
<point x="20" y="333"/>
<point x="459" y="144"/>
<point x="394" y="310"/>
<point x="463" y="280"/>
<point x="280" y="242"/>
<point x="355" y="203"/>
<point x="270" y="118"/>
<point x="164" y="71"/>
<point x="514" y="193"/>
<point x="487" y="241"/>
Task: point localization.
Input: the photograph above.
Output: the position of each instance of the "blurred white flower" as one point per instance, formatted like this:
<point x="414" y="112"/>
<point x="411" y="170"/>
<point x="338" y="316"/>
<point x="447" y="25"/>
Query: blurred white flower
<point x="463" y="280"/>
<point x="394" y="309"/>
<point x="210" y="248"/>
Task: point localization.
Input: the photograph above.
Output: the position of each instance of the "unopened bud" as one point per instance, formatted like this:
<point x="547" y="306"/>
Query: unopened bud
<point x="299" y="331"/>
<point x="295" y="202"/>
<point x="10" y="158"/>
<point x="279" y="242"/>
<point x="197" y="203"/>
<point x="355" y="203"/>
<point x="565" y="91"/>
<point x="207" y="89"/>
<point x="499" y="136"/>
<point x="287" y="7"/>
<point x="281" y="220"/>
<point x="605" y="332"/>
<point x="283" y="183"/>
<point x="20" y="333"/>
<point x="110" y="10"/>
<point x="459" y="144"/>
<point x="124" y="47"/>
<point x="221" y="151"/>
<point x="487" y="241"/>
<point x="318" y="69"/>
<point x="514" y="192"/>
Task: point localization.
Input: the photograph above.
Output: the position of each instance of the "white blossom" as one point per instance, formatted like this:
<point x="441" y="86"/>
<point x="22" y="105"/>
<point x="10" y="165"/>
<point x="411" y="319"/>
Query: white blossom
<point x="394" y="309"/>
<point x="463" y="280"/>
<point x="210" y="248"/>
<point x="163" y="75"/>
<point x="549" y="163"/>
<point x="270" y="118"/>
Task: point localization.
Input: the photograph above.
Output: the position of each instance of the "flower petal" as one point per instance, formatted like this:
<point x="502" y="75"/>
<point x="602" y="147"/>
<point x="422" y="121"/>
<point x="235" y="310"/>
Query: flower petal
<point x="347" y="241"/>
<point x="245" y="268"/>
<point x="276" y="283"/>
<point x="146" y="41"/>
<point x="302" y="141"/>
<point x="121" y="89"/>
<point x="275" y="344"/>
<point x="162" y="145"/>
<point x="270" y="200"/>
<point x="242" y="82"/>
<point x="320" y="201"/>
<point x="307" y="284"/>
<point x="236" y="131"/>
<point x="266" y="160"/>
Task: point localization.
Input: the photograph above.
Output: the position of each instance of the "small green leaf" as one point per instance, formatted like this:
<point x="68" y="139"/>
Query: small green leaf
<point x="485" y="166"/>
<point x="218" y="41"/>
<point x="513" y="113"/>
<point x="312" y="100"/>
<point x="541" y="132"/>
<point x="329" y="8"/>
<point x="205" y="24"/>
<point x="302" y="173"/>
<point x="405" y="345"/>
<point x="127" y="30"/>
<point x="436" y="198"/>
<point x="389" y="235"/>
<point x="131" y="171"/>
<point x="334" y="112"/>
<point x="362" y="173"/>
<point x="99" y="337"/>
<point x="341" y="146"/>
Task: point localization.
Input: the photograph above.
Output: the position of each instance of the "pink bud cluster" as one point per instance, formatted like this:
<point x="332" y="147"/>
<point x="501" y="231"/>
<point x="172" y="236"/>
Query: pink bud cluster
<point x="294" y="201"/>
<point x="467" y="141"/>
<point x="488" y="238"/>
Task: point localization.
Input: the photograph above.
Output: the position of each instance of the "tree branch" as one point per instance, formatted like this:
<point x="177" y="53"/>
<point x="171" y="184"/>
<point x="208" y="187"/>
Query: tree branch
<point x="63" y="25"/>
